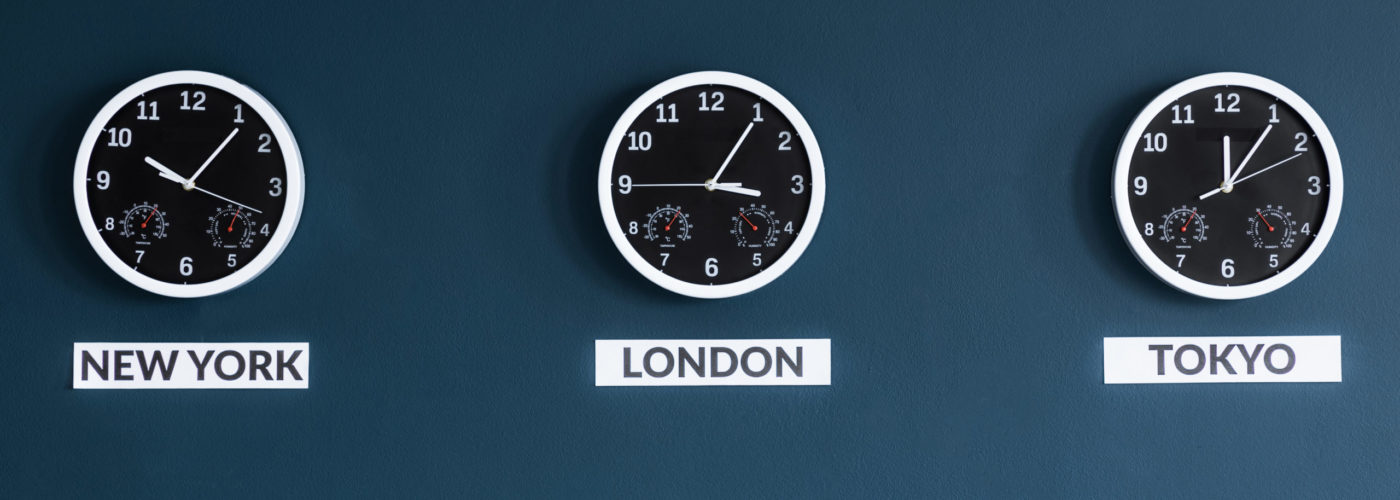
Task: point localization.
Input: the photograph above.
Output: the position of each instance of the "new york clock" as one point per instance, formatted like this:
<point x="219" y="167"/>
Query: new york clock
<point x="188" y="184"/>
<point x="1227" y="186"/>
<point x="711" y="184"/>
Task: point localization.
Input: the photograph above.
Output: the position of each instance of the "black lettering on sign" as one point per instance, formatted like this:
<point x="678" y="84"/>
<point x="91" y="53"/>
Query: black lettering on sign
<point x="157" y="361"/>
<point x="200" y="363"/>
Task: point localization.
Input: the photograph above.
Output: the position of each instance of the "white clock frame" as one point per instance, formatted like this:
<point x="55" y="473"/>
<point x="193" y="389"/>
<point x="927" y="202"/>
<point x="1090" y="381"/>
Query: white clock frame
<point x="1164" y="272"/>
<point x="291" y="157"/>
<point x="814" y="209"/>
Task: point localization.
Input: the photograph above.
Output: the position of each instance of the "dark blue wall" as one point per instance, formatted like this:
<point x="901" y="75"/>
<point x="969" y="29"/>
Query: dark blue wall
<point x="451" y="270"/>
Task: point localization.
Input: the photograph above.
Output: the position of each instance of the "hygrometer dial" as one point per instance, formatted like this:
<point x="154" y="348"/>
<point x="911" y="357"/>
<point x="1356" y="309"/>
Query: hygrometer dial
<point x="1239" y="148"/>
<point x="720" y="154"/>
<point x="202" y="173"/>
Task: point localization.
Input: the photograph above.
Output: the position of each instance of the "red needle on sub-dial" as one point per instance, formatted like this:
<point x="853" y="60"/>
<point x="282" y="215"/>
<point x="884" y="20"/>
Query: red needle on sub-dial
<point x="148" y="216"/>
<point x="1266" y="221"/>
<point x="235" y="217"/>
<point x="1188" y="221"/>
<point x="746" y="219"/>
<point x="673" y="219"/>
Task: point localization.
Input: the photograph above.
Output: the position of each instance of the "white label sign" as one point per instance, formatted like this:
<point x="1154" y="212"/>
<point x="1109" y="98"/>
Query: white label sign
<point x="712" y="362"/>
<point x="1176" y="360"/>
<point x="243" y="365"/>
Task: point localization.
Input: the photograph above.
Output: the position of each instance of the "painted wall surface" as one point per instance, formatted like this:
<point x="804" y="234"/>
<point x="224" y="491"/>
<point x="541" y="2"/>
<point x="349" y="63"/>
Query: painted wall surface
<point x="451" y="271"/>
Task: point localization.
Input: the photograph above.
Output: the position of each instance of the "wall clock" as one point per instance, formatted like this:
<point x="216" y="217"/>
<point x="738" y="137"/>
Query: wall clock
<point x="188" y="184"/>
<point x="711" y="184"/>
<point x="1227" y="186"/>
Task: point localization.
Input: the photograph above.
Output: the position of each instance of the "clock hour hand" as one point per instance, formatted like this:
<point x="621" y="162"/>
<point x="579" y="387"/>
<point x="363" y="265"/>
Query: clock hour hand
<point x="1226" y="178"/>
<point x="165" y="171"/>
<point x="734" y="188"/>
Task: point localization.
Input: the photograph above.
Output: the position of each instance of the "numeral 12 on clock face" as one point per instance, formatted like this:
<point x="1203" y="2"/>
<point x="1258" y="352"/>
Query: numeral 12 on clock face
<point x="711" y="184"/>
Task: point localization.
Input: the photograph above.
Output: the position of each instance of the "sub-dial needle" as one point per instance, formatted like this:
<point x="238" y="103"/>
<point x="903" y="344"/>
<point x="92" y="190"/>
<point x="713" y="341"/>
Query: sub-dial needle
<point x="673" y="219"/>
<point x="234" y="218"/>
<point x="148" y="216"/>
<point x="1266" y="221"/>
<point x="746" y="219"/>
<point x="1188" y="221"/>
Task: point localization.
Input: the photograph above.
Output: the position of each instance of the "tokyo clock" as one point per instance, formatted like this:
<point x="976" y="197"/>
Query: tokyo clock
<point x="711" y="184"/>
<point x="188" y="184"/>
<point x="1228" y="186"/>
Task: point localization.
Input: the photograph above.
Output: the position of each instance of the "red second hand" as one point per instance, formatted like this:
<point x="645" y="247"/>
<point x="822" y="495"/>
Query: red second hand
<point x="746" y="219"/>
<point x="1266" y="221"/>
<point x="1188" y="221"/>
<point x="235" y="217"/>
<point x="148" y="216"/>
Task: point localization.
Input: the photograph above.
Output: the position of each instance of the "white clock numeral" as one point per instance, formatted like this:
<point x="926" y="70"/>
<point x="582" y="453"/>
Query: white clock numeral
<point x="119" y="137"/>
<point x="141" y="114"/>
<point x="624" y="184"/>
<point x="186" y="266"/>
<point x="799" y="188"/>
<point x="1180" y="259"/>
<point x="104" y="180"/>
<point x="1176" y="115"/>
<point x="757" y="259"/>
<point x="787" y="138"/>
<point x="1302" y="139"/>
<point x="639" y="141"/>
<point x="111" y="224"/>
<point x="232" y="260"/>
<point x="1147" y="229"/>
<point x="276" y="190"/>
<point x="266" y="146"/>
<point x="1273" y="113"/>
<point x="1307" y="228"/>
<point x="198" y="100"/>
<point x="1316" y="185"/>
<point x="1139" y="185"/>
<point x="711" y="267"/>
<point x="237" y="113"/>
<point x="264" y="230"/>
<point x="706" y="105"/>
<point x="1234" y="106"/>
<point x="632" y="227"/>
<point x="140" y="254"/>
<point x="665" y="257"/>
<point x="757" y="112"/>
<point x="788" y="229"/>
<point x="661" y="113"/>
<point x="1227" y="268"/>
<point x="1273" y="260"/>
<point x="1154" y="143"/>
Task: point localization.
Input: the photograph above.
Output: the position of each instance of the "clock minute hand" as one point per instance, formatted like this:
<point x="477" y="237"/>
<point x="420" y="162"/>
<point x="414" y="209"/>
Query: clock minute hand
<point x="1230" y="183"/>
<point x="211" y="157"/>
<point x="712" y="184"/>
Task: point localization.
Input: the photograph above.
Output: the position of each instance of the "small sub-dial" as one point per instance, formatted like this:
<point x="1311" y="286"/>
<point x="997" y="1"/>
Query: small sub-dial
<point x="144" y="222"/>
<point x="668" y="226"/>
<point x="231" y="227"/>
<point x="755" y="227"/>
<point x="1271" y="227"/>
<point x="1183" y="227"/>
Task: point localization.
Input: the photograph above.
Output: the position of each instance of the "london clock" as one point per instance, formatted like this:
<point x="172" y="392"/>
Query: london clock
<point x="711" y="184"/>
<point x="188" y="184"/>
<point x="1228" y="186"/>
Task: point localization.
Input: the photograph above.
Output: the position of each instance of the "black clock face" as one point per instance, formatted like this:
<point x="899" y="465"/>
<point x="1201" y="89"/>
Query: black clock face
<point x="186" y="184"/>
<point x="711" y="185"/>
<point x="1228" y="186"/>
